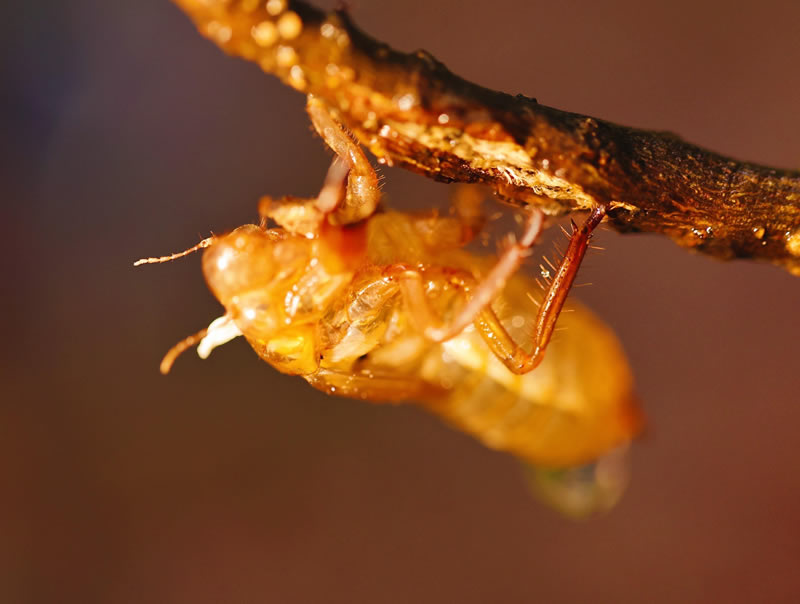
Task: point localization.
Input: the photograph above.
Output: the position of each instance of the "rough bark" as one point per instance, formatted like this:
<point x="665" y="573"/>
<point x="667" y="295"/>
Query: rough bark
<point x="410" y="110"/>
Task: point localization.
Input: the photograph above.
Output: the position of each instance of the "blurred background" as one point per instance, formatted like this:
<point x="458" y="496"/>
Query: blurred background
<point x="126" y="134"/>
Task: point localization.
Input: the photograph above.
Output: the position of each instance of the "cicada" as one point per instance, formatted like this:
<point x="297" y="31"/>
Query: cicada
<point x="393" y="308"/>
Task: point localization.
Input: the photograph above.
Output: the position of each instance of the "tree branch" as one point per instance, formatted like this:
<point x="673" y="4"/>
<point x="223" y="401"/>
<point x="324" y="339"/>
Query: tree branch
<point x="410" y="110"/>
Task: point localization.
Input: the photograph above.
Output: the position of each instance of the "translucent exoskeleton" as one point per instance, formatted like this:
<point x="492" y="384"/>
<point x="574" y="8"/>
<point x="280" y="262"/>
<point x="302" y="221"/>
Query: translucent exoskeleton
<point x="392" y="308"/>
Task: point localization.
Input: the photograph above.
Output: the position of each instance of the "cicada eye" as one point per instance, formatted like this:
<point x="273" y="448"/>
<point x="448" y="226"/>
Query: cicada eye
<point x="239" y="262"/>
<point x="254" y="316"/>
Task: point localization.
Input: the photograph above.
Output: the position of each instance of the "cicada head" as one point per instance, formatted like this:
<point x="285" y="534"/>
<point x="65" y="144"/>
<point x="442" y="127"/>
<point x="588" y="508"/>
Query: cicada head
<point x="250" y="270"/>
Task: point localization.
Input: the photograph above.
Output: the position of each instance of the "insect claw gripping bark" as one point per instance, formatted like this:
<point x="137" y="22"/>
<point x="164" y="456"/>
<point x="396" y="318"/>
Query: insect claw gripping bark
<point x="362" y="193"/>
<point x="351" y="190"/>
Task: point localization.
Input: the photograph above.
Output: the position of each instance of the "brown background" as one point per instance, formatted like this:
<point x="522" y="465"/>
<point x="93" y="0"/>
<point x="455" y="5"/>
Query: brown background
<point x="129" y="135"/>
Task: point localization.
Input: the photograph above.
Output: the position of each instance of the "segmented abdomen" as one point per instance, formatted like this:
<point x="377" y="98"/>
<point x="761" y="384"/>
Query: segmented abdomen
<point x="576" y="406"/>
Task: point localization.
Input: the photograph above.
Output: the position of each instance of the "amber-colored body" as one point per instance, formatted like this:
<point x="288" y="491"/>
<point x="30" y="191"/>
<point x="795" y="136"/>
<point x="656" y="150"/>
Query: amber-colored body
<point x="389" y="307"/>
<point x="332" y="309"/>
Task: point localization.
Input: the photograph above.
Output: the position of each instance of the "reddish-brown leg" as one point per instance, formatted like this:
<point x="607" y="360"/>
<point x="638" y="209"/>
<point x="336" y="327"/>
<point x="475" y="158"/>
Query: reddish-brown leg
<point x="562" y="282"/>
<point x="483" y="295"/>
<point x="497" y="338"/>
<point x="494" y="334"/>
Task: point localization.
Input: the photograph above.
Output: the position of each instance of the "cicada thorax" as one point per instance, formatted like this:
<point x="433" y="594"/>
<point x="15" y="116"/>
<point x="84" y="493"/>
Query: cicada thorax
<point x="358" y="324"/>
<point x="370" y="315"/>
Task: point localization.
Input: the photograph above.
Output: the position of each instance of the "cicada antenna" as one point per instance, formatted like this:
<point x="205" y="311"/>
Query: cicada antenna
<point x="179" y="348"/>
<point x="202" y="245"/>
<point x="221" y="330"/>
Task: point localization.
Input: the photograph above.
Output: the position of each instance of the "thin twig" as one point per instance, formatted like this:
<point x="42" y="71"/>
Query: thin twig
<point x="410" y="110"/>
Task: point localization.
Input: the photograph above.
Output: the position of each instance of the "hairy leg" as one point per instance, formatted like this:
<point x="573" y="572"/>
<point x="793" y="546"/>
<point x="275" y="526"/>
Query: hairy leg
<point x="306" y="216"/>
<point x="363" y="193"/>
<point x="513" y="356"/>
<point x="562" y="282"/>
<point x="482" y="295"/>
<point x="349" y="194"/>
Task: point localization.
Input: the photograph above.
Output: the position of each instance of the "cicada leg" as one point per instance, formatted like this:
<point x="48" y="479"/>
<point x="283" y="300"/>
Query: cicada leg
<point x="478" y="310"/>
<point x="349" y="194"/>
<point x="513" y="356"/>
<point x="372" y="385"/>
<point x="483" y="295"/>
<point x="363" y="193"/>
<point x="306" y="216"/>
<point x="559" y="287"/>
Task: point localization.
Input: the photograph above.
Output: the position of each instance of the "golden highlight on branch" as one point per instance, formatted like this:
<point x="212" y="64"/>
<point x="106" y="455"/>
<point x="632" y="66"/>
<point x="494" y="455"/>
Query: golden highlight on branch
<point x="410" y="110"/>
